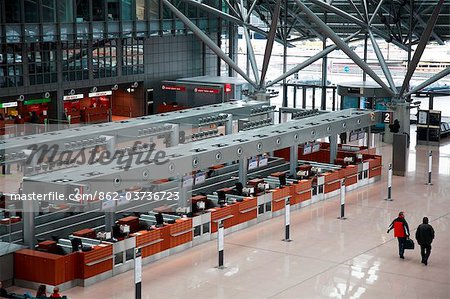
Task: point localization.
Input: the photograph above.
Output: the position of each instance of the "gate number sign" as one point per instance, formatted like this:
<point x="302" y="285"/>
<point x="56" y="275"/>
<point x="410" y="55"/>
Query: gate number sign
<point x="387" y="117"/>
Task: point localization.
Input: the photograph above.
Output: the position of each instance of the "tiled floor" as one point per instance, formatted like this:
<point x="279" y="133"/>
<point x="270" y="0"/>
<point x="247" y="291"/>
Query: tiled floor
<point x="328" y="258"/>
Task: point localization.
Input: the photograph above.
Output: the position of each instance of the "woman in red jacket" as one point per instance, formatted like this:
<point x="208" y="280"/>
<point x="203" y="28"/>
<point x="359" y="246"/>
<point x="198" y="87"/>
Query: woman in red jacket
<point x="401" y="232"/>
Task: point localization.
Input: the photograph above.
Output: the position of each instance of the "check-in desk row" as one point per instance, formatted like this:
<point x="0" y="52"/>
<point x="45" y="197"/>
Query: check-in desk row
<point x="107" y="259"/>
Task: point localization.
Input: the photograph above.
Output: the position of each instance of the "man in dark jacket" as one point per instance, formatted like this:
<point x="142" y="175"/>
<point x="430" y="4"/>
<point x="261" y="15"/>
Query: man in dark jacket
<point x="401" y="232"/>
<point x="425" y="236"/>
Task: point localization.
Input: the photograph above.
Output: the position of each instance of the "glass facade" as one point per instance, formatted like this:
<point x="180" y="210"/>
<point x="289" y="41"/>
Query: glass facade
<point x="11" y="63"/>
<point x="81" y="39"/>
<point x="133" y="56"/>
<point x="42" y="63"/>
<point x="104" y="59"/>
<point x="75" y="61"/>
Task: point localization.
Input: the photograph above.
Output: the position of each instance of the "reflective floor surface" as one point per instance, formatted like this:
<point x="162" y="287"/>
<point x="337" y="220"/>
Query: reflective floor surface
<point x="328" y="257"/>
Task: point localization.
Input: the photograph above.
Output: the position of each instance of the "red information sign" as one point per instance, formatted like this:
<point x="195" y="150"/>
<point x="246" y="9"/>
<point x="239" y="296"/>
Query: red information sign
<point x="173" y="87"/>
<point x="206" y="90"/>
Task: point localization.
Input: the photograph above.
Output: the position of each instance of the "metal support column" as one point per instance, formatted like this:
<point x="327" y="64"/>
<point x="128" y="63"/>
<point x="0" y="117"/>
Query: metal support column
<point x="293" y="160"/>
<point x="110" y="218"/>
<point x="365" y="57"/>
<point x="29" y="210"/>
<point x="333" y="148"/>
<point x="211" y="44"/>
<point x="342" y="45"/>
<point x="422" y="44"/>
<point x="229" y="125"/>
<point x="243" y="164"/>
<point x="175" y="135"/>
<point x="303" y="97"/>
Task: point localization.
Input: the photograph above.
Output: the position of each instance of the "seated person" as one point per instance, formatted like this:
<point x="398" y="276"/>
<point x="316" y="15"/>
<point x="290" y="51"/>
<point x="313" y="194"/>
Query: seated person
<point x="3" y="292"/>
<point x="41" y="292"/>
<point x="55" y="293"/>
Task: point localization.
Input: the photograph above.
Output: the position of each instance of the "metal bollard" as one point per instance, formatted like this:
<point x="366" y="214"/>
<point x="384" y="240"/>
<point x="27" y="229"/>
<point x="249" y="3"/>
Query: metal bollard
<point x="389" y="197"/>
<point x="220" y="243"/>
<point x="430" y="165"/>
<point x="138" y="273"/>
<point x="342" y="217"/>
<point x="287" y="221"/>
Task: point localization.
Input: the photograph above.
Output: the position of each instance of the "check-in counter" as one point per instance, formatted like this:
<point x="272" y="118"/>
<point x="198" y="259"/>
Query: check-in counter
<point x="375" y="167"/>
<point x="332" y="183"/>
<point x="181" y="233"/>
<point x="149" y="242"/>
<point x="96" y="264"/>
<point x="318" y="187"/>
<point x="202" y="228"/>
<point x="123" y="252"/>
<point x="351" y="177"/>
<point x="264" y="202"/>
<point x="279" y="197"/>
<point x="248" y="211"/>
<point x="301" y="192"/>
<point x="219" y="214"/>
<point x="33" y="267"/>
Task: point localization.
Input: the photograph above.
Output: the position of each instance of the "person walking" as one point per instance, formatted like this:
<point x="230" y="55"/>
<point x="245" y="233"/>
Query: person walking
<point x="401" y="232"/>
<point x="425" y="236"/>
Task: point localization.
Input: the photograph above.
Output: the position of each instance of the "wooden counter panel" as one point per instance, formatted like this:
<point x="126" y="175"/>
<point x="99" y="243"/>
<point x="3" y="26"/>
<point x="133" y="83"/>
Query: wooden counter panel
<point x="181" y="232"/>
<point x="247" y="210"/>
<point x="145" y="237"/>
<point x="96" y="261"/>
<point x="279" y="203"/>
<point x="280" y="193"/>
<point x="330" y="176"/>
<point x="152" y="237"/>
<point x="221" y="213"/>
<point x="40" y="267"/>
<point x="350" y="180"/>
<point x="332" y="186"/>
<point x="375" y="171"/>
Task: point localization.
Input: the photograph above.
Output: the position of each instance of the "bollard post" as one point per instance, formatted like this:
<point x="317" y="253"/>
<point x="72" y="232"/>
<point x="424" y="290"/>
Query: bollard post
<point x="430" y="165"/>
<point x="138" y="273"/>
<point x="220" y="243"/>
<point x="389" y="197"/>
<point x="342" y="217"/>
<point x="287" y="220"/>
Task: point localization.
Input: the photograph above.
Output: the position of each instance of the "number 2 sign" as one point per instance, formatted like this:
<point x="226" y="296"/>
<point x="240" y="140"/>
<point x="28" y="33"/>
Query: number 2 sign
<point x="387" y="117"/>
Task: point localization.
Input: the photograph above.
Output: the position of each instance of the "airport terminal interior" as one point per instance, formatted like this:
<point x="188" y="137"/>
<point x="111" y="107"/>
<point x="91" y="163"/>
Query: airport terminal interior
<point x="224" y="149"/>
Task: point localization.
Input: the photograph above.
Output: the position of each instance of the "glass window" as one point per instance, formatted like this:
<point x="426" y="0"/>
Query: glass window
<point x="48" y="11"/>
<point x="154" y="9"/>
<point x="82" y="10"/>
<point x="133" y="56"/>
<point x="104" y="60"/>
<point x="129" y="254"/>
<point x="197" y="231"/>
<point x="42" y="63"/>
<point x="75" y="61"/>
<point x="118" y="259"/>
<point x="31" y="11"/>
<point x="65" y="11"/>
<point x="140" y="10"/>
<point x="12" y="11"/>
<point x="98" y="10"/>
<point x="11" y="74"/>
<point x="126" y="10"/>
<point x="113" y="10"/>
<point x="206" y="228"/>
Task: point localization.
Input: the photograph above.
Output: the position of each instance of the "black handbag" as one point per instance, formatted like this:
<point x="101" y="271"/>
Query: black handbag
<point x="409" y="244"/>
